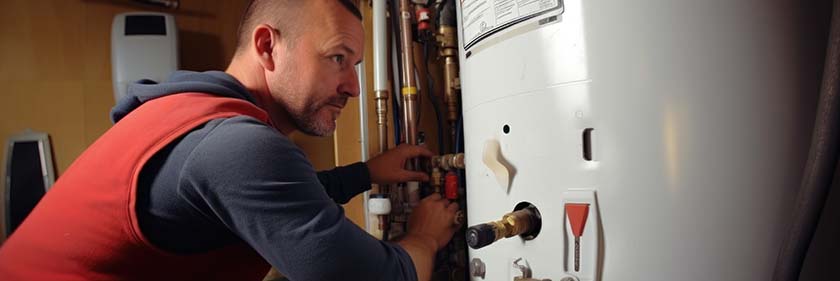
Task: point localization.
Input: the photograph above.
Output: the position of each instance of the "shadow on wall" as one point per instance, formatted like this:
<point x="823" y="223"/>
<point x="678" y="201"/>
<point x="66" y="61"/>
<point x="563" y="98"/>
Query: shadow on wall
<point x="201" y="51"/>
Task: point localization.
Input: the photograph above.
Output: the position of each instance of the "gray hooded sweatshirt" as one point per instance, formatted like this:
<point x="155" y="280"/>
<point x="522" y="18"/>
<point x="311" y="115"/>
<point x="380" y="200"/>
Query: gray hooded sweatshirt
<point x="238" y="179"/>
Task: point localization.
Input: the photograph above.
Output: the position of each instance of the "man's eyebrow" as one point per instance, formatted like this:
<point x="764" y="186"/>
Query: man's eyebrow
<point x="347" y="49"/>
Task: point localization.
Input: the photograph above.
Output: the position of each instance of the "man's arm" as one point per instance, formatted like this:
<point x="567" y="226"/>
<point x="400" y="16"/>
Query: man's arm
<point x="253" y="181"/>
<point x="344" y="183"/>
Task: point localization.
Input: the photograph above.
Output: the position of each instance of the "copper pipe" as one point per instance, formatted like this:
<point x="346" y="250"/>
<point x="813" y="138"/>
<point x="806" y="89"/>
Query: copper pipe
<point x="409" y="90"/>
<point x="450" y="72"/>
<point x="410" y="96"/>
<point x="447" y="43"/>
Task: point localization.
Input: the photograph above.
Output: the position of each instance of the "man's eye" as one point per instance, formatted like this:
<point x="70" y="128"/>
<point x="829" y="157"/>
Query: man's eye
<point x="338" y="59"/>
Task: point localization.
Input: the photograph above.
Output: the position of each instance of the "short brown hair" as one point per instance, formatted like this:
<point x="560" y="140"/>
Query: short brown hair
<point x="277" y="12"/>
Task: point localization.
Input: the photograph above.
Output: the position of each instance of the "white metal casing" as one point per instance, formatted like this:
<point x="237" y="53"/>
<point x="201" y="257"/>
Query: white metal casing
<point x="700" y="133"/>
<point x="144" y="56"/>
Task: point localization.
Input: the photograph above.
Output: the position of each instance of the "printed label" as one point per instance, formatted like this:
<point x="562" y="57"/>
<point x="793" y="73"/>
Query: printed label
<point x="483" y="17"/>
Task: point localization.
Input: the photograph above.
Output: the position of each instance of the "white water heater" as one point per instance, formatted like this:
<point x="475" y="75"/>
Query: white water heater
<point x="144" y="45"/>
<point x="659" y="140"/>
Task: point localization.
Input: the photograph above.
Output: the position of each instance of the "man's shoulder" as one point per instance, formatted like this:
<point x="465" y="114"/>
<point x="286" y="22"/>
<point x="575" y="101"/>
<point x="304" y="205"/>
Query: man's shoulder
<point x="242" y="129"/>
<point x="246" y="145"/>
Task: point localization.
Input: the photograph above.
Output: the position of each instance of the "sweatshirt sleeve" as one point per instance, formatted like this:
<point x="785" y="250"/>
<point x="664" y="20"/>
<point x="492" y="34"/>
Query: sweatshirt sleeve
<point x="257" y="183"/>
<point x="344" y="183"/>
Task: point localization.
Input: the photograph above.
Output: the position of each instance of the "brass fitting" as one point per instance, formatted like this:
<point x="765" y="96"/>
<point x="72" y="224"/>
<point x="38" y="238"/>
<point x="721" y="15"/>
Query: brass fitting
<point x="447" y="39"/>
<point x="437" y="178"/>
<point x="525" y="222"/>
<point x="513" y="224"/>
<point x="447" y="45"/>
<point x="449" y="161"/>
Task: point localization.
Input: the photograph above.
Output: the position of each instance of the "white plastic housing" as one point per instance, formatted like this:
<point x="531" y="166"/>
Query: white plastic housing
<point x="701" y="118"/>
<point x="146" y="54"/>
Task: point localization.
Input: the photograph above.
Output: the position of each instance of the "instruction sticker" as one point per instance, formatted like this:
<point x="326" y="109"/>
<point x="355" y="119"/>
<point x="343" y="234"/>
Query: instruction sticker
<point x="481" y="18"/>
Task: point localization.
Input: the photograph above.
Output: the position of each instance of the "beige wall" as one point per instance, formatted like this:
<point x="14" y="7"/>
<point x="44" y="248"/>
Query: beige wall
<point x="56" y="72"/>
<point x="55" y="63"/>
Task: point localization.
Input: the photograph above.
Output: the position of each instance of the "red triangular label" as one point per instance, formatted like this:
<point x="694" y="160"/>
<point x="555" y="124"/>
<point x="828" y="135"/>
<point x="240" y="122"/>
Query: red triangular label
<point x="577" y="213"/>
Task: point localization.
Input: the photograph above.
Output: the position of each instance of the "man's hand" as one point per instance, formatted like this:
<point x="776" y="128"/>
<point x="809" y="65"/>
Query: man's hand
<point x="429" y="229"/>
<point x="433" y="219"/>
<point x="389" y="167"/>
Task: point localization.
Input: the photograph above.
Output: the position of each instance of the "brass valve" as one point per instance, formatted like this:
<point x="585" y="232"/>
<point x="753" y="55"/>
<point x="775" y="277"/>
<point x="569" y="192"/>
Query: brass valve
<point x="525" y="222"/>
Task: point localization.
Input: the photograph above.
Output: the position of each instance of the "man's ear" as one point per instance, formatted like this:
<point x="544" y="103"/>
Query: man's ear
<point x="264" y="39"/>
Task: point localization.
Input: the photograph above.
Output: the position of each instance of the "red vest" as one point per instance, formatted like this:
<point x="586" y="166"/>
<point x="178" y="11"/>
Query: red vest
<point x="85" y="227"/>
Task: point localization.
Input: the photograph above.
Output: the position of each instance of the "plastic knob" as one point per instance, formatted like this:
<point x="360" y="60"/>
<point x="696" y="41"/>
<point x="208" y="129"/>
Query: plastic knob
<point x="480" y="235"/>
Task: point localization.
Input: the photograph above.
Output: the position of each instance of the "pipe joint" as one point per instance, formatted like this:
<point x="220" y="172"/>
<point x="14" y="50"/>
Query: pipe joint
<point x="449" y="161"/>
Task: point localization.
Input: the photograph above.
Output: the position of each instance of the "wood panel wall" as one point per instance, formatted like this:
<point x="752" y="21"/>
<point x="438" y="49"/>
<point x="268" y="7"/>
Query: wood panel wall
<point x="56" y="71"/>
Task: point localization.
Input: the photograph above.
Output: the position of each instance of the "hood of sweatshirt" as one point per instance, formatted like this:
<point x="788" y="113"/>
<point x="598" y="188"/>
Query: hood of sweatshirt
<point x="211" y="82"/>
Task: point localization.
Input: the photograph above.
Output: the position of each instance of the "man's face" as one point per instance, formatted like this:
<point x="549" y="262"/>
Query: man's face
<point x="316" y="73"/>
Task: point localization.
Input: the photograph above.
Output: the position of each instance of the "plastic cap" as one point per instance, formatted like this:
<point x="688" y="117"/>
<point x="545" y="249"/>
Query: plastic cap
<point x="379" y="206"/>
<point x="480" y="235"/>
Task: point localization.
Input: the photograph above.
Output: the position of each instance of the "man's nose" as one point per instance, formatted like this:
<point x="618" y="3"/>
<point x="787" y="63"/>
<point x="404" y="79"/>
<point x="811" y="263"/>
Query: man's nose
<point x="349" y="83"/>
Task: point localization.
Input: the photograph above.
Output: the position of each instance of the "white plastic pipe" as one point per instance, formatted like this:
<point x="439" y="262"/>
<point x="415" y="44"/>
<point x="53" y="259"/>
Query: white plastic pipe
<point x="380" y="88"/>
<point x="363" y="131"/>
<point x="380" y="47"/>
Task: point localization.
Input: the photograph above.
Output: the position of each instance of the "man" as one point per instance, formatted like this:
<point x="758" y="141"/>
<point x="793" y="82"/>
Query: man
<point x="197" y="180"/>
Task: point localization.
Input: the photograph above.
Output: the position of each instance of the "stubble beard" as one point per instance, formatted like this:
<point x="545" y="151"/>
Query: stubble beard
<point x="308" y="123"/>
<point x="307" y="119"/>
